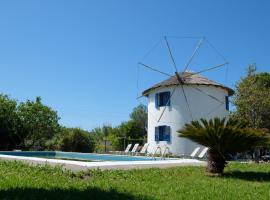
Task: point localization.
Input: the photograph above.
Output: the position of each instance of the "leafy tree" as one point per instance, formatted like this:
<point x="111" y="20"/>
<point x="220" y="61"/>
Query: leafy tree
<point x="223" y="137"/>
<point x="139" y="116"/>
<point x="39" y="123"/>
<point x="127" y="132"/>
<point x="76" y="140"/>
<point x="136" y="127"/>
<point x="134" y="130"/>
<point x="100" y="134"/>
<point x="252" y="99"/>
<point x="9" y="138"/>
<point x="32" y="125"/>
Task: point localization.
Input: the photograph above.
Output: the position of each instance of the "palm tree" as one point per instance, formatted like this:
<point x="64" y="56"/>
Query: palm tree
<point x="223" y="137"/>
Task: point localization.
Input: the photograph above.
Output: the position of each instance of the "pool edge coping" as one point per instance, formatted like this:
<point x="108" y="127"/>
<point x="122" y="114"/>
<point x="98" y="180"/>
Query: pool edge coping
<point x="126" y="165"/>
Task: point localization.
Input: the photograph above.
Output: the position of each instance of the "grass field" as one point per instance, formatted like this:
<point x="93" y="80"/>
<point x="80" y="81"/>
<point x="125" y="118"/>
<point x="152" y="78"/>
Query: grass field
<point x="240" y="181"/>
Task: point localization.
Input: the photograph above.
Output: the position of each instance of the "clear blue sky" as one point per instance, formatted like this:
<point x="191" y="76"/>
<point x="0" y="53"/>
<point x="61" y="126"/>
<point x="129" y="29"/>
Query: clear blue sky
<point x="81" y="56"/>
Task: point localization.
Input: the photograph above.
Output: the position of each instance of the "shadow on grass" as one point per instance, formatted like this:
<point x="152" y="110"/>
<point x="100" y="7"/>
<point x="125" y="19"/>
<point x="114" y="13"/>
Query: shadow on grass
<point x="59" y="194"/>
<point x="248" y="175"/>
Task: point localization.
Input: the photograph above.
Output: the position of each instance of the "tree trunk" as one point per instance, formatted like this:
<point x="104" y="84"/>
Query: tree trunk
<point x="216" y="162"/>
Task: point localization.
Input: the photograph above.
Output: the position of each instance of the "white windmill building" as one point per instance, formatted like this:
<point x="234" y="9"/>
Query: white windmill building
<point x="181" y="98"/>
<point x="168" y="113"/>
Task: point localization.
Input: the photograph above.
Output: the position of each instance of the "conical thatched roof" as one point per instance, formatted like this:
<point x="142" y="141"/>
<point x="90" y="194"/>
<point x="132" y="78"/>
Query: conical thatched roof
<point x="188" y="79"/>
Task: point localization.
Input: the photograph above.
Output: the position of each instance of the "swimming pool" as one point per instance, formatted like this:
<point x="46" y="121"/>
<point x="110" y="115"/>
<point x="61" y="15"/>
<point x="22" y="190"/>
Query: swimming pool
<point x="88" y="161"/>
<point x="76" y="156"/>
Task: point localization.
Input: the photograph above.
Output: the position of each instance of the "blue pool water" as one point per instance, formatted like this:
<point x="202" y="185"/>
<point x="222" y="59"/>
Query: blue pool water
<point x="78" y="156"/>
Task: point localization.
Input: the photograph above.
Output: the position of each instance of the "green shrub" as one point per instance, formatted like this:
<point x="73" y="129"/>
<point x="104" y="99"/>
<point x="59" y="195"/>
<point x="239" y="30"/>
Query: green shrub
<point x="75" y="140"/>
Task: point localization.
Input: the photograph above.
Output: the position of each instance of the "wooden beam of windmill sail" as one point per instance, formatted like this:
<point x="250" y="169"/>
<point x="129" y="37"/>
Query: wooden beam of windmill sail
<point x="194" y="53"/>
<point x="154" y="69"/>
<point x="179" y="79"/>
<point x="207" y="69"/>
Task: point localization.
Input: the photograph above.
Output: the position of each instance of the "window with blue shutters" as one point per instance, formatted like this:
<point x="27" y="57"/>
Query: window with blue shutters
<point x="156" y="133"/>
<point x="227" y="102"/>
<point x="163" y="133"/>
<point x="162" y="99"/>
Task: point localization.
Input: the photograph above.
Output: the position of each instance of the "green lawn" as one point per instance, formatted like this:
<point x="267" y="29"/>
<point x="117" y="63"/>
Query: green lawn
<point x="241" y="181"/>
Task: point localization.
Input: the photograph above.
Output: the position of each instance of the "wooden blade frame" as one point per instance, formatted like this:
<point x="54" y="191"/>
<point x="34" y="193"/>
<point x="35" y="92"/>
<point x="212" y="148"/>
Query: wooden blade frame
<point x="154" y="69"/>
<point x="181" y="79"/>
<point x="194" y="53"/>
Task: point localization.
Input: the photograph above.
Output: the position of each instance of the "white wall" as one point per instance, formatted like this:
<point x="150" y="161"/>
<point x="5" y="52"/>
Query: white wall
<point x="175" y="116"/>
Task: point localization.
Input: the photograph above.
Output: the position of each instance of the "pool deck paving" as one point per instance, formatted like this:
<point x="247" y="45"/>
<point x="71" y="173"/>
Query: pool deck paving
<point x="105" y="165"/>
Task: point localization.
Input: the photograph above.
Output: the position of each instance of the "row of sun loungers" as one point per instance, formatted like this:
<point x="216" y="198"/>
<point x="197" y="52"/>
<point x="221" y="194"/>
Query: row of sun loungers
<point x="135" y="149"/>
<point x="143" y="151"/>
<point x="196" y="152"/>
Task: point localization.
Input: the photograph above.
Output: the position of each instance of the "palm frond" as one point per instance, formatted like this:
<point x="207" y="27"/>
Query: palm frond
<point x="224" y="135"/>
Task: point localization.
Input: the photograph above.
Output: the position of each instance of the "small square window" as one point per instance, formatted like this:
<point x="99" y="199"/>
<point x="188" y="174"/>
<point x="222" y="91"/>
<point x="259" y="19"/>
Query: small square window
<point x="163" y="133"/>
<point x="163" y="99"/>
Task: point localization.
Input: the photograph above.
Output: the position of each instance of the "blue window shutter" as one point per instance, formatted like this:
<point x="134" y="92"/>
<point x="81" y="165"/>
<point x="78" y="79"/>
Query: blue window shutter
<point x="156" y="100"/>
<point x="227" y="102"/>
<point x="156" y="133"/>
<point x="168" y="134"/>
<point x="168" y="99"/>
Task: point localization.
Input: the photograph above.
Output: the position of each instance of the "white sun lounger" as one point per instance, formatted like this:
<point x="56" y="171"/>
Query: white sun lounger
<point x="194" y="153"/>
<point x="135" y="148"/>
<point x="202" y="154"/>
<point x="126" y="151"/>
<point x="143" y="150"/>
<point x="128" y="148"/>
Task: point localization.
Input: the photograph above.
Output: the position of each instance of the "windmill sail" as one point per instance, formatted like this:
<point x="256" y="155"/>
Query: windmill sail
<point x="182" y="79"/>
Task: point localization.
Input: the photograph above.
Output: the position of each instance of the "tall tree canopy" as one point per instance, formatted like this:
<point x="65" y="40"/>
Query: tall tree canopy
<point x="139" y="116"/>
<point x="252" y="99"/>
<point x="8" y="123"/>
<point x="39" y="123"/>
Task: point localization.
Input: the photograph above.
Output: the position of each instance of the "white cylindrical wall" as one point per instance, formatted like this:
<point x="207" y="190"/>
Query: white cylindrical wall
<point x="177" y="114"/>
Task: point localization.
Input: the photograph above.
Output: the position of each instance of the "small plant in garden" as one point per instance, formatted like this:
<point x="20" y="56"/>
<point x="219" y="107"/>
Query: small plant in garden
<point x="223" y="137"/>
